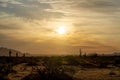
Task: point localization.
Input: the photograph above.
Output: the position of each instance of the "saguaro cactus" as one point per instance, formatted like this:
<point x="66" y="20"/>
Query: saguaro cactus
<point x="24" y="55"/>
<point x="17" y="55"/>
<point x="80" y="52"/>
<point x="10" y="52"/>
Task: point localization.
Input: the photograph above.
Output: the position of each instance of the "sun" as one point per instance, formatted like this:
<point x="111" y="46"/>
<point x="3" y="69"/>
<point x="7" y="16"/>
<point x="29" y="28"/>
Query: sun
<point x="61" y="30"/>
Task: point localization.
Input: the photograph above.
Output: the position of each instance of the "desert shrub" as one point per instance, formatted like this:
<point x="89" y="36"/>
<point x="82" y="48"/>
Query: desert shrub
<point x="32" y="64"/>
<point x="112" y="73"/>
<point x="5" y="69"/>
<point x="93" y="55"/>
<point x="103" y="65"/>
<point x="73" y="60"/>
<point x="32" y="77"/>
<point x="48" y="74"/>
<point x="3" y="78"/>
<point x="117" y="62"/>
<point x="52" y="71"/>
<point x="55" y="74"/>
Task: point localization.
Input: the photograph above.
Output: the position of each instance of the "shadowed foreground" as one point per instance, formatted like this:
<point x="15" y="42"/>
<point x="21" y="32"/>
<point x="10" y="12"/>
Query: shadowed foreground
<point x="60" y="68"/>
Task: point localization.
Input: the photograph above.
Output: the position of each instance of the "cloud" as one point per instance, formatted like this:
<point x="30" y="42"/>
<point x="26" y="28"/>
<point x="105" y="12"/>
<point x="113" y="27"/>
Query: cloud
<point x="4" y="3"/>
<point x="100" y="6"/>
<point x="11" y="42"/>
<point x="7" y="27"/>
<point x="10" y="22"/>
<point x="31" y="9"/>
<point x="91" y="24"/>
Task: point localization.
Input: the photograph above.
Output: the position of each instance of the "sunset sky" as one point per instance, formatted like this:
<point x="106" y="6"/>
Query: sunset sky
<point x="60" y="27"/>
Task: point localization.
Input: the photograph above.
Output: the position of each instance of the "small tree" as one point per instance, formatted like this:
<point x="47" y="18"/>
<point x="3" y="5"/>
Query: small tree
<point x="94" y="55"/>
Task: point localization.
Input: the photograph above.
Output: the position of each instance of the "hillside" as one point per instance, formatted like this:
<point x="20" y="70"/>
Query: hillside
<point x="5" y="52"/>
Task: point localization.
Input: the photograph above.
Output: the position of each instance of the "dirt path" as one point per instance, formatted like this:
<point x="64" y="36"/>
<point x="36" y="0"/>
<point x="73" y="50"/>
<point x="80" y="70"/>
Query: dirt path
<point x="21" y="71"/>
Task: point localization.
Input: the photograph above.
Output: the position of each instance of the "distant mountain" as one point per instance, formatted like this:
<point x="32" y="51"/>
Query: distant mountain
<point x="116" y="53"/>
<point x="5" y="52"/>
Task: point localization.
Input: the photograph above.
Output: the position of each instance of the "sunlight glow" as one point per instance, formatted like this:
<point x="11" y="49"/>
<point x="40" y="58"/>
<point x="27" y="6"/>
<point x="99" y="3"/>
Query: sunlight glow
<point x="61" y="30"/>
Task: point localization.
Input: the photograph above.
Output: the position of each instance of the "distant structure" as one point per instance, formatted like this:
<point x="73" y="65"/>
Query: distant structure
<point x="10" y="52"/>
<point x="80" y="52"/>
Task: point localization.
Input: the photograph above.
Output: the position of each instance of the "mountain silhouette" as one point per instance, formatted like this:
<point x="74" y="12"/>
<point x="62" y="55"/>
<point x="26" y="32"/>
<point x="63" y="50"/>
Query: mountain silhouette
<point x="5" y="52"/>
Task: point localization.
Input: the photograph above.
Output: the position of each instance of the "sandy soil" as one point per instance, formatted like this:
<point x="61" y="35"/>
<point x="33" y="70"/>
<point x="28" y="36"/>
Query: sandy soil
<point x="98" y="74"/>
<point x="21" y="71"/>
<point x="82" y="74"/>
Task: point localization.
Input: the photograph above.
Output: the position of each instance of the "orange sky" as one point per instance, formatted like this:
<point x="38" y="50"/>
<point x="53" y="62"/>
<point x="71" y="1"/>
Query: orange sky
<point x="60" y="27"/>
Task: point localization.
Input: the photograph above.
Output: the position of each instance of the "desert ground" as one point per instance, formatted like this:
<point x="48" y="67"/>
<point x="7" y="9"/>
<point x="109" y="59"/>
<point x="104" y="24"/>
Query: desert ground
<point x="60" y="68"/>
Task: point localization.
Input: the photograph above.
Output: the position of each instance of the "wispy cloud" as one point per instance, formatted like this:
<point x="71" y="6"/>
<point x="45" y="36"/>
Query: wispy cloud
<point x="92" y="24"/>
